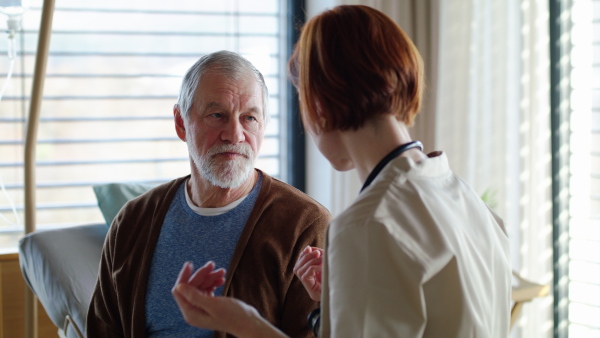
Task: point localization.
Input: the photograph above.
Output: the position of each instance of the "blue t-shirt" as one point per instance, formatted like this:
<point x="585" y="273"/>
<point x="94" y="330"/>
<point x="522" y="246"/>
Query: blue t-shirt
<point x="188" y="236"/>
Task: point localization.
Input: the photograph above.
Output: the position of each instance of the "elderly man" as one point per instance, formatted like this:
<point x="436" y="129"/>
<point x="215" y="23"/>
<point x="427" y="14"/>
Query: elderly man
<point x="226" y="211"/>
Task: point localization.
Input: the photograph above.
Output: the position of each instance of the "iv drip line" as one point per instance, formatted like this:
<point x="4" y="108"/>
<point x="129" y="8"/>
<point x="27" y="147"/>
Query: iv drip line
<point x="10" y="68"/>
<point x="11" y="57"/>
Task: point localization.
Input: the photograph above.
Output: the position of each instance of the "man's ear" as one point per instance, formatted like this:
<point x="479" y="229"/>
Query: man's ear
<point x="179" y="125"/>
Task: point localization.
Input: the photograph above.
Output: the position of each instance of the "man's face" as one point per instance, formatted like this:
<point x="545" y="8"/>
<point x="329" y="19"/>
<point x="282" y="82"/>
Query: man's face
<point x="225" y="128"/>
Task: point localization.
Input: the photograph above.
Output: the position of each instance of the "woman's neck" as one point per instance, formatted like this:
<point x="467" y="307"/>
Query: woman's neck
<point x="371" y="143"/>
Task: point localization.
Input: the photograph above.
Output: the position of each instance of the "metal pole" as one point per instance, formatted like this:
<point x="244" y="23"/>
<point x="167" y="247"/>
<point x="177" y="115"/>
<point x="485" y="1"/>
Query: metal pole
<point x="37" y="90"/>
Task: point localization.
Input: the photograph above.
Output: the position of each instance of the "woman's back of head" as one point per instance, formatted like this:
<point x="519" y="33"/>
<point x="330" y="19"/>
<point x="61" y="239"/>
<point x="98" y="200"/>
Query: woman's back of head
<point x="353" y="63"/>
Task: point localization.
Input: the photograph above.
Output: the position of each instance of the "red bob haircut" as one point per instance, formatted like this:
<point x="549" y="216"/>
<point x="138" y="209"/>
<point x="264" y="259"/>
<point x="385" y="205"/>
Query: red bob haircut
<point x="352" y="64"/>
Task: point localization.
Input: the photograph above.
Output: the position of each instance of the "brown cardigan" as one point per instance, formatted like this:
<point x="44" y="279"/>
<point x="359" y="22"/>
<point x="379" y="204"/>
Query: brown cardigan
<point x="282" y="223"/>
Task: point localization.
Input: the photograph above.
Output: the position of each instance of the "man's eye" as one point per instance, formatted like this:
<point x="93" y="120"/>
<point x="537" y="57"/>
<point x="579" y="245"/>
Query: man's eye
<point x="251" y="118"/>
<point x="217" y="115"/>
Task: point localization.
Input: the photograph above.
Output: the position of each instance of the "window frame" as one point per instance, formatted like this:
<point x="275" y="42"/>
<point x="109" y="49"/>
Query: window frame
<point x="291" y="151"/>
<point x="559" y="116"/>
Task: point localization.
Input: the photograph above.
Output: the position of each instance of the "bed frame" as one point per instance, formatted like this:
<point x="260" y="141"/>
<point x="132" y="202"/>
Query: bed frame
<point x="60" y="266"/>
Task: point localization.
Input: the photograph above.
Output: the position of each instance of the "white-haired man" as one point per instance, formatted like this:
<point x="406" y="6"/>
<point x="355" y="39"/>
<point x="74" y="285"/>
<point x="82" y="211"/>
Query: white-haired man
<point x="225" y="211"/>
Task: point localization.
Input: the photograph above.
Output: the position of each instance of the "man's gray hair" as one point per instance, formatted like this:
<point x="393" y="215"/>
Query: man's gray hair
<point x="223" y="62"/>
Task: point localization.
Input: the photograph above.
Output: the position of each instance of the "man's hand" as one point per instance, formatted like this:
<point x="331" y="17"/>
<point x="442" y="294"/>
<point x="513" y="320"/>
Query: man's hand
<point x="308" y="268"/>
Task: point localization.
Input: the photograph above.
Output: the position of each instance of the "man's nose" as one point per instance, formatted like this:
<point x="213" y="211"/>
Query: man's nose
<point x="233" y="132"/>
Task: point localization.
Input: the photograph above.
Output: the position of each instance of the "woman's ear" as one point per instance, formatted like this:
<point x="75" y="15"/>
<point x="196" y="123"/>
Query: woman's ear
<point x="321" y="116"/>
<point x="179" y="124"/>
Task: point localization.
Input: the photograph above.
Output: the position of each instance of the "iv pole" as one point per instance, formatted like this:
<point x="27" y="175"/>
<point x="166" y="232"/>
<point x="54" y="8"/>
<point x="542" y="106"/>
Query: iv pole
<point x="30" y="145"/>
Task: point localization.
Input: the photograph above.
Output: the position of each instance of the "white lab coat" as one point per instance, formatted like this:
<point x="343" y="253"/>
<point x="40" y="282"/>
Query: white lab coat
<point x="418" y="254"/>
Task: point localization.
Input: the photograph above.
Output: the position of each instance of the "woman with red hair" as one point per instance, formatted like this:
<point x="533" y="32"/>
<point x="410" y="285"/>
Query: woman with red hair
<point x="418" y="254"/>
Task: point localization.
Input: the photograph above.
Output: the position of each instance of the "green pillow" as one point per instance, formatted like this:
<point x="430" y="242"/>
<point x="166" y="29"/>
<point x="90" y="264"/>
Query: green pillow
<point x="113" y="196"/>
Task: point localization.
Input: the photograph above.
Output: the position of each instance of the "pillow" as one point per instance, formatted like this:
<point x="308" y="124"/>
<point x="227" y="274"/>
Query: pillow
<point x="113" y="196"/>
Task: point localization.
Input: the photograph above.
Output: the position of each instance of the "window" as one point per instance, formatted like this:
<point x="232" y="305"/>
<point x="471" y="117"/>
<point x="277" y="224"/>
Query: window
<point x="584" y="215"/>
<point x="576" y="146"/>
<point x="113" y="75"/>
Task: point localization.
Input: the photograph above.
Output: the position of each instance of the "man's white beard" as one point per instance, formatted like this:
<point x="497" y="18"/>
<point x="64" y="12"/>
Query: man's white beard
<point x="225" y="173"/>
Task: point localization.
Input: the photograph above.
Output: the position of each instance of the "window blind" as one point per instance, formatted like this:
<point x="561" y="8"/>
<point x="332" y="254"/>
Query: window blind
<point x="113" y="75"/>
<point x="577" y="282"/>
<point x="584" y="246"/>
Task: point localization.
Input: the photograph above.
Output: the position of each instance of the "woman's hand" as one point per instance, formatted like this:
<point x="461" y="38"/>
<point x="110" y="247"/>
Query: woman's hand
<point x="214" y="313"/>
<point x="206" y="279"/>
<point x="308" y="268"/>
<point x="194" y="294"/>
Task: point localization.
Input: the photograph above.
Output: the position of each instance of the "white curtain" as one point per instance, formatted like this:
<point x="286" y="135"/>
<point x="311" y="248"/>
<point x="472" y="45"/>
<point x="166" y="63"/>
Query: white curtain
<point x="493" y="121"/>
<point x="487" y="107"/>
